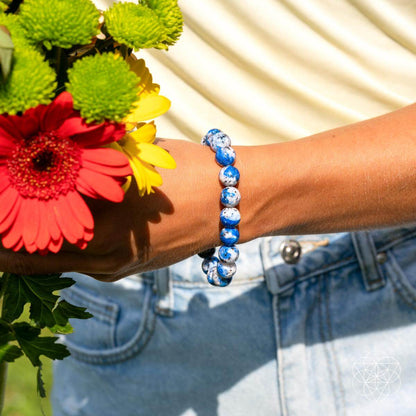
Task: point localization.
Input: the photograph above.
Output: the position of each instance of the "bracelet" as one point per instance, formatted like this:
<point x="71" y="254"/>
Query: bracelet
<point x="220" y="270"/>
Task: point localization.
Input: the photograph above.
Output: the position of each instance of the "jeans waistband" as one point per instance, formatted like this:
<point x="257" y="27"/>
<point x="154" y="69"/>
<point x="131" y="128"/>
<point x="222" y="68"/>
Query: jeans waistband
<point x="363" y="247"/>
<point x="261" y="258"/>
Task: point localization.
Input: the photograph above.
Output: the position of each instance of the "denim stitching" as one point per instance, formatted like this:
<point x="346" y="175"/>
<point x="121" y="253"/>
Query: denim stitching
<point x="279" y="358"/>
<point x="205" y="285"/>
<point x="104" y="310"/>
<point x="341" y="396"/>
<point x="366" y="255"/>
<point x="323" y="338"/>
<point x="396" y="241"/>
<point x="331" y="267"/>
<point x="326" y="268"/>
<point x="398" y="283"/>
<point x="335" y="265"/>
<point x="127" y="350"/>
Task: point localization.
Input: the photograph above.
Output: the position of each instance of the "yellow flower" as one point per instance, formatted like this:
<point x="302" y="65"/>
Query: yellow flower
<point x="143" y="156"/>
<point x="149" y="104"/>
<point x="138" y="144"/>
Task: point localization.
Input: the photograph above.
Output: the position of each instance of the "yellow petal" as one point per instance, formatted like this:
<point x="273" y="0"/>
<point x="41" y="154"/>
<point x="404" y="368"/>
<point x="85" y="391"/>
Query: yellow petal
<point x="156" y="156"/>
<point x="148" y="108"/>
<point x="146" y="81"/>
<point x="146" y="176"/>
<point x="138" y="173"/>
<point x="125" y="187"/>
<point x="145" y="134"/>
<point x="153" y="177"/>
<point x="136" y="65"/>
<point x="116" y="146"/>
<point x="130" y="126"/>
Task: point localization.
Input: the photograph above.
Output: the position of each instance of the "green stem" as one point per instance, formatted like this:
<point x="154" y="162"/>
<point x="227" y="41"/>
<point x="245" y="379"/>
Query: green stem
<point x="61" y="67"/>
<point x="14" y="6"/>
<point x="3" y="366"/>
<point x="3" y="379"/>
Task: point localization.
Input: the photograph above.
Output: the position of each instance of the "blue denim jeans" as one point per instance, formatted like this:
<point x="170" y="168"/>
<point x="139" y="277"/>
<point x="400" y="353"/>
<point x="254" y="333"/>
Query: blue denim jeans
<point x="334" y="334"/>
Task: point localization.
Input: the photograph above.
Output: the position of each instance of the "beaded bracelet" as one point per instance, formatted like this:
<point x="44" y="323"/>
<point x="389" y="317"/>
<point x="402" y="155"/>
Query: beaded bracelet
<point x="220" y="270"/>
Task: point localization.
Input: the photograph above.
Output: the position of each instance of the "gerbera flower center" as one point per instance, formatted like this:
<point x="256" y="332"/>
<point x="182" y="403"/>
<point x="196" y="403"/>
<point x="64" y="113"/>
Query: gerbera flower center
<point x="45" y="166"/>
<point x="43" y="161"/>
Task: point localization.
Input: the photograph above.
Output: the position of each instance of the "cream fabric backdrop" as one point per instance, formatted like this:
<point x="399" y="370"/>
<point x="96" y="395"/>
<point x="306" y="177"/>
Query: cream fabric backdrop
<point x="270" y="70"/>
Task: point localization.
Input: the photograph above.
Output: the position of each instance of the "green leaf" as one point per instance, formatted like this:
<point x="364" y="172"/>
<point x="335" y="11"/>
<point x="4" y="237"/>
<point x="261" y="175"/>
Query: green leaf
<point x="9" y="353"/>
<point x="46" y="310"/>
<point x="36" y="289"/>
<point x="4" y="327"/>
<point x="39" y="383"/>
<point x="65" y="310"/>
<point x="14" y="297"/>
<point x="6" y="333"/>
<point x="6" y="53"/>
<point x="62" y="329"/>
<point x="34" y="346"/>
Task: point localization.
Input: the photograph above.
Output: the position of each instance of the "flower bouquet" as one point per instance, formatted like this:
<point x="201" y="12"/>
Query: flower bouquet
<point x="74" y="102"/>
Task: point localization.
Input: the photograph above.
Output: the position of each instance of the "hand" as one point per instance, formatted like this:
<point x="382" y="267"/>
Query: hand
<point x="179" y="219"/>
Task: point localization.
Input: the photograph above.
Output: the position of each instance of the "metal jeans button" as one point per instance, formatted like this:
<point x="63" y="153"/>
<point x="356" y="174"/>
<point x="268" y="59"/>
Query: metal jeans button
<point x="381" y="258"/>
<point x="290" y="250"/>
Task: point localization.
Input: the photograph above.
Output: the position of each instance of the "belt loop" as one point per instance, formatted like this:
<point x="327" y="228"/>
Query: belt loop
<point x="272" y="280"/>
<point x="163" y="289"/>
<point x="366" y="254"/>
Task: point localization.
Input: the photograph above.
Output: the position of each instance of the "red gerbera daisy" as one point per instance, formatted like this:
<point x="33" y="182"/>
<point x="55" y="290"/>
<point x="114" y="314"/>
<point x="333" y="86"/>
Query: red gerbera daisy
<point x="48" y="156"/>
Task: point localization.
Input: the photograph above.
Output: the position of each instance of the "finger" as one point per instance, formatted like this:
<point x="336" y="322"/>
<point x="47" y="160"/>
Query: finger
<point x="24" y="263"/>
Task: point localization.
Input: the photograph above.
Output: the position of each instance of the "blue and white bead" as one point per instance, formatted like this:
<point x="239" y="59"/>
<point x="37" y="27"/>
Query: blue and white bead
<point x="230" y="197"/>
<point x="215" y="279"/>
<point x="228" y="254"/>
<point x="218" y="140"/>
<point x="220" y="271"/>
<point x="206" y="140"/>
<point x="226" y="270"/>
<point x="229" y="175"/>
<point x="229" y="236"/>
<point x="209" y="263"/>
<point x="225" y="155"/>
<point x="230" y="217"/>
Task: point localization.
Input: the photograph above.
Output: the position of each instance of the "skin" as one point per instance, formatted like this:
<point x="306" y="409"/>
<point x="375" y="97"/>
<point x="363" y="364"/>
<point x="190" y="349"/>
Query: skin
<point x="354" y="177"/>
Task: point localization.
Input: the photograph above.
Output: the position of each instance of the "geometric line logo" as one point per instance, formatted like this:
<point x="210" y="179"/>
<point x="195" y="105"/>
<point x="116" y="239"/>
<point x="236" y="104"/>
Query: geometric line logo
<point x="376" y="378"/>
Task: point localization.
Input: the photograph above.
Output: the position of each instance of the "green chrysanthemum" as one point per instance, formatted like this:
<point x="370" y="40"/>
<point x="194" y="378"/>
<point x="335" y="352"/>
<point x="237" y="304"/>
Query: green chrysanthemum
<point x="4" y="4"/>
<point x="62" y="23"/>
<point x="30" y="83"/>
<point x="170" y="15"/>
<point x="103" y="87"/>
<point x="12" y="23"/>
<point x="135" y="25"/>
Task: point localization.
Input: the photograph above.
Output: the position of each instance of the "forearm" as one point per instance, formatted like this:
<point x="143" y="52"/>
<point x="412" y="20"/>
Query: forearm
<point x="359" y="176"/>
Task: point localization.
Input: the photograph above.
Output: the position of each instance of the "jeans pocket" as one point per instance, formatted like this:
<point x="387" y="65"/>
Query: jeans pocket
<point x="121" y="326"/>
<point x="401" y="269"/>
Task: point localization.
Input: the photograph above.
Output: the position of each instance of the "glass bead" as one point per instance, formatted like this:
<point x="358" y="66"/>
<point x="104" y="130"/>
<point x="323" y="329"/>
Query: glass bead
<point x="225" y="155"/>
<point x="209" y="263"/>
<point x="230" y="197"/>
<point x="229" y="175"/>
<point x="219" y="140"/>
<point x="226" y="270"/>
<point x="206" y="140"/>
<point x="215" y="279"/>
<point x="230" y="217"/>
<point x="207" y="253"/>
<point x="229" y="236"/>
<point x="228" y="254"/>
